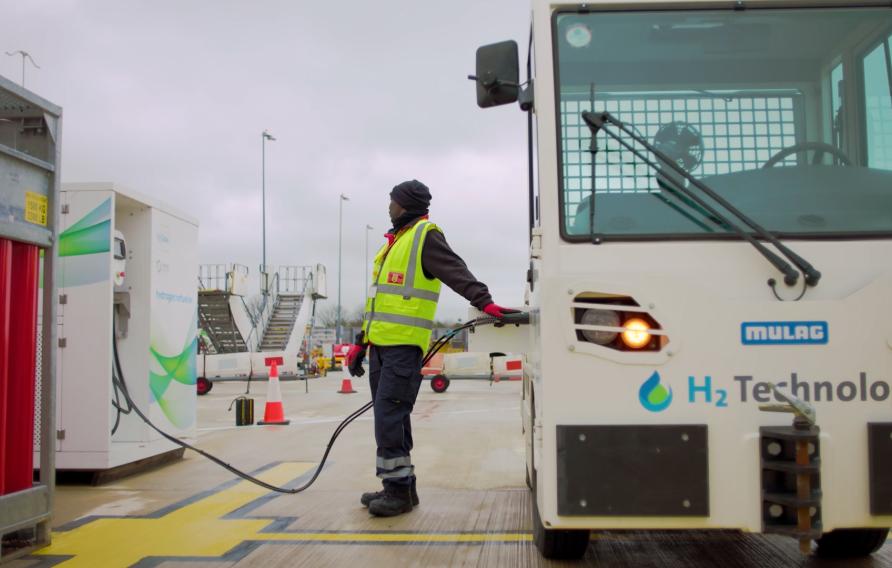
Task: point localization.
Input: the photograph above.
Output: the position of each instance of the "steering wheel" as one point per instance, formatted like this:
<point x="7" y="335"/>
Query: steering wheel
<point x="819" y="148"/>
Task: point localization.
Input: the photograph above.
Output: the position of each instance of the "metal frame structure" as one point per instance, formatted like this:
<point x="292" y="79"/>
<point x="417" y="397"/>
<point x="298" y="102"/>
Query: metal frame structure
<point x="743" y="130"/>
<point x="32" y="508"/>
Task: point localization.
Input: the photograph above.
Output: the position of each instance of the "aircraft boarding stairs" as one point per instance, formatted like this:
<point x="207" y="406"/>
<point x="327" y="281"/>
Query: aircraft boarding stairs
<point x="218" y="306"/>
<point x="281" y="323"/>
<point x="237" y="339"/>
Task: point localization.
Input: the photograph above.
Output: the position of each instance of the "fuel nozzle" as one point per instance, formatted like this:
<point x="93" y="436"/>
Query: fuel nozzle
<point x="514" y="317"/>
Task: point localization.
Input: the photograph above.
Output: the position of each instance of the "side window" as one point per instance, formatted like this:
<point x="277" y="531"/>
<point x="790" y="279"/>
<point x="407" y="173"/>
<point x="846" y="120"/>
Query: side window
<point x="836" y="121"/>
<point x="534" y="156"/>
<point x="534" y="139"/>
<point x="878" y="106"/>
<point x="120" y="249"/>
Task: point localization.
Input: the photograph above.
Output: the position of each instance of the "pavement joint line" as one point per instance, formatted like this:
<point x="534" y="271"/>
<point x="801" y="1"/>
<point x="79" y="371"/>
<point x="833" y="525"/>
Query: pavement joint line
<point x="332" y="420"/>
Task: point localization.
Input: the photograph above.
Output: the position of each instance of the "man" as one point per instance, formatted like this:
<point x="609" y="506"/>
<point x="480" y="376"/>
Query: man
<point x="399" y="316"/>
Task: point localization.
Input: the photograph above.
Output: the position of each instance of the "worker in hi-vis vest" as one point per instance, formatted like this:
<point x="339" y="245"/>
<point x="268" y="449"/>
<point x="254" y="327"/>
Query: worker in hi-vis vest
<point x="399" y="317"/>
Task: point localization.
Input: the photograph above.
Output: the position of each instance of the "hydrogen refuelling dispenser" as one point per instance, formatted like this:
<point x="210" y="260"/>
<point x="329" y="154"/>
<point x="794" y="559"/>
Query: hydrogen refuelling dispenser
<point x="127" y="288"/>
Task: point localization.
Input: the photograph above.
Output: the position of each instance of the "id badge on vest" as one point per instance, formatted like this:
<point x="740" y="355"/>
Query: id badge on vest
<point x="397" y="278"/>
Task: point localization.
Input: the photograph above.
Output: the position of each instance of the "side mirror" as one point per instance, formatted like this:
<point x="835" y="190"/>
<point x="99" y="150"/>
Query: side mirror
<point x="497" y="74"/>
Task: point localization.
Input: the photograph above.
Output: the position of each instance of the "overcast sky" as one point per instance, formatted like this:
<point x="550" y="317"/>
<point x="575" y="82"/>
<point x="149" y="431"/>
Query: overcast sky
<point x="170" y="99"/>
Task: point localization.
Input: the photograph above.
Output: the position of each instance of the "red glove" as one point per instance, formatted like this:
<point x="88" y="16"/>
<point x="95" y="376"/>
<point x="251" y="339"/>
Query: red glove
<point x="497" y="311"/>
<point x="353" y="358"/>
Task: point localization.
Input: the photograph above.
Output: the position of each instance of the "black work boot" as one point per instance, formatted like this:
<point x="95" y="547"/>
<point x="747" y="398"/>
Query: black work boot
<point x="371" y="496"/>
<point x="397" y="500"/>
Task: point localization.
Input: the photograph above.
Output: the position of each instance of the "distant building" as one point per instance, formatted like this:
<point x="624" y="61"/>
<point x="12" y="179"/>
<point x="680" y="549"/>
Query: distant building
<point x="322" y="336"/>
<point x="327" y="335"/>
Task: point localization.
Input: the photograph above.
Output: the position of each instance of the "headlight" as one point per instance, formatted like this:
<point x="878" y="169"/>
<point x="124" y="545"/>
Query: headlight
<point x="606" y="318"/>
<point x="637" y="334"/>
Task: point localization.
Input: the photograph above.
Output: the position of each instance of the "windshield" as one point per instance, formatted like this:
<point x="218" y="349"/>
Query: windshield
<point x="787" y="114"/>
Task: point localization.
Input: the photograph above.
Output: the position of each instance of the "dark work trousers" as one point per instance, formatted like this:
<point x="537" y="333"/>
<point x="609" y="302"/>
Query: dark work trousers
<point x="395" y="377"/>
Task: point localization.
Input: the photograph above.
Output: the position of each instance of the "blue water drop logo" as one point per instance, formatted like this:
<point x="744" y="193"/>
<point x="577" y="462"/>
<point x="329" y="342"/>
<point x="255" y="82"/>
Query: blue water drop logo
<point x="654" y="396"/>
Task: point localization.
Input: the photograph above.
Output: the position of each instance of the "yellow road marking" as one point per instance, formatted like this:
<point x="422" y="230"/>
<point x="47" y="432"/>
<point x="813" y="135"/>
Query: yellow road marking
<point x="193" y="530"/>
<point x="198" y="530"/>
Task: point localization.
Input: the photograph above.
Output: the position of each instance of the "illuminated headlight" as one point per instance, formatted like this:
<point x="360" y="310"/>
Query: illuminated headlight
<point x="611" y="321"/>
<point x="637" y="334"/>
<point x="606" y="318"/>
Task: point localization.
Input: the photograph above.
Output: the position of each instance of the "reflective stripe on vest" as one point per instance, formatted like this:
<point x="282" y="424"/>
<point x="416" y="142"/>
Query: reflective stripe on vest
<point x="407" y="292"/>
<point x="403" y="320"/>
<point x="402" y="304"/>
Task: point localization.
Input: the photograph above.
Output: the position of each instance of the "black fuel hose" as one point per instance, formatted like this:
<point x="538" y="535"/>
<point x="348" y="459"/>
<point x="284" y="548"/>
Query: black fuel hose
<point x="513" y="318"/>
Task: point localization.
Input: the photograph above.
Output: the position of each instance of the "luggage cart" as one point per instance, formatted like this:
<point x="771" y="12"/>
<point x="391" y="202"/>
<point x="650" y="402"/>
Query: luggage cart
<point x="492" y="367"/>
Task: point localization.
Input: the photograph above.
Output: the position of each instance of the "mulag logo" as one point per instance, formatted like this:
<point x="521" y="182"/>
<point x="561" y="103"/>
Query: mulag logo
<point x="784" y="333"/>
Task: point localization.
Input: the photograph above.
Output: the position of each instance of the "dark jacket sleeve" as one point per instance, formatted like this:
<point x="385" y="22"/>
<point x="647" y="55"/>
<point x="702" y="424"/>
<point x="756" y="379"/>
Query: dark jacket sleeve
<point x="439" y="261"/>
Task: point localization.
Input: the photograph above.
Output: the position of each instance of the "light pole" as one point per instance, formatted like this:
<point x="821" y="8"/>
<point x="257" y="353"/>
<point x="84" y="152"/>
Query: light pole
<point x="25" y="55"/>
<point x="340" y="238"/>
<point x="367" y="229"/>
<point x="264" y="137"/>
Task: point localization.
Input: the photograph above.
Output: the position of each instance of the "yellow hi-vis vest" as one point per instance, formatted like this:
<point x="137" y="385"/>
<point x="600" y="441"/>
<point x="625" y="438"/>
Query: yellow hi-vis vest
<point x="402" y="303"/>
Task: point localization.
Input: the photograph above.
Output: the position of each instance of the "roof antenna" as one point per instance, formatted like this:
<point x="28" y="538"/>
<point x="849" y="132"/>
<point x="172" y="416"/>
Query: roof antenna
<point x="25" y="55"/>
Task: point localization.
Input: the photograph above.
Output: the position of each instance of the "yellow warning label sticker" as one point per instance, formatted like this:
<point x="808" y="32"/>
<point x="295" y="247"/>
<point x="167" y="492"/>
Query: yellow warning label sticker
<point x="35" y="208"/>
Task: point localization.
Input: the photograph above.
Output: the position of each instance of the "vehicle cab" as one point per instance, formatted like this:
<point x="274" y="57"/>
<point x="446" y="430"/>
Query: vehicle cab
<point x="710" y="220"/>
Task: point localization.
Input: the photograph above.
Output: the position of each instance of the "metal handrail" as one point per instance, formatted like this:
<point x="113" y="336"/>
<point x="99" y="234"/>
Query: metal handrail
<point x="255" y="318"/>
<point x="295" y="278"/>
<point x="219" y="276"/>
<point x="270" y="299"/>
<point x="213" y="277"/>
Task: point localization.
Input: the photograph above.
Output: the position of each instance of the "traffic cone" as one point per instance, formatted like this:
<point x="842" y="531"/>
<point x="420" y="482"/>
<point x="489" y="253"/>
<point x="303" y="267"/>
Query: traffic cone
<point x="273" y="412"/>
<point x="346" y="386"/>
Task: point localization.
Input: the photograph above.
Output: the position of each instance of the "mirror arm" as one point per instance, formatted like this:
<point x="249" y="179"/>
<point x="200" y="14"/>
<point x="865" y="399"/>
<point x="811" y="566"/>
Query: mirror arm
<point x="490" y="84"/>
<point x="524" y="97"/>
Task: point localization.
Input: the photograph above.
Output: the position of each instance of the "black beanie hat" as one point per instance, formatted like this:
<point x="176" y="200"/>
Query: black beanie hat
<point x="412" y="195"/>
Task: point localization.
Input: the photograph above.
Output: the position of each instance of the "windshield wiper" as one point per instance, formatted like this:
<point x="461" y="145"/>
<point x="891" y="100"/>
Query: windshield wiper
<point x="663" y="181"/>
<point x="597" y="122"/>
<point x="670" y="185"/>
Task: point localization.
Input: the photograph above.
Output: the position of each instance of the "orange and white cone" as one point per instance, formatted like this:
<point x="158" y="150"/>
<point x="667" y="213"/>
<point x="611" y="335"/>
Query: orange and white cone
<point x="274" y="412"/>
<point x="346" y="386"/>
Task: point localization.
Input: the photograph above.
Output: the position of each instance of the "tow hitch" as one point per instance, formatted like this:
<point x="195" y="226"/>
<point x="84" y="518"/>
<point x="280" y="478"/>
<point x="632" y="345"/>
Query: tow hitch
<point x="791" y="473"/>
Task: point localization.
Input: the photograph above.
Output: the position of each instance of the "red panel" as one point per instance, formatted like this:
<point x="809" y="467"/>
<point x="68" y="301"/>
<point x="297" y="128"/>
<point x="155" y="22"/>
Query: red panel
<point x="279" y="361"/>
<point x="22" y="366"/>
<point x="513" y="365"/>
<point x="6" y="421"/>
